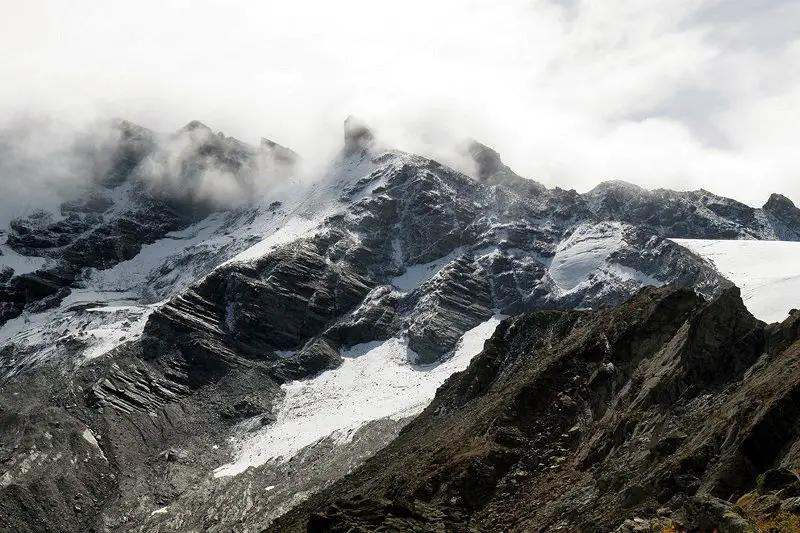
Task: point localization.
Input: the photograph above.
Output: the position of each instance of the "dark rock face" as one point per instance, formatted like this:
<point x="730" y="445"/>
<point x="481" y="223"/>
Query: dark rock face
<point x="784" y="216"/>
<point x="6" y="273"/>
<point x="586" y="420"/>
<point x="776" y="479"/>
<point x="459" y="299"/>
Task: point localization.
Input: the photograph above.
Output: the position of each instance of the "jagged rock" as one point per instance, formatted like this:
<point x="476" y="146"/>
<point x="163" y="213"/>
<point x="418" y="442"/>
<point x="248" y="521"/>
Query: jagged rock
<point x="487" y="160"/>
<point x="459" y="300"/>
<point x="776" y="479"/>
<point x="643" y="525"/>
<point x="6" y="273"/>
<point x="374" y="319"/>
<point x="45" y="282"/>
<point x="173" y="455"/>
<point x="785" y="216"/>
<point x="491" y="170"/>
<point x="49" y="302"/>
<point x="12" y="302"/>
<point x="708" y="513"/>
<point x="791" y="505"/>
<point x="310" y="361"/>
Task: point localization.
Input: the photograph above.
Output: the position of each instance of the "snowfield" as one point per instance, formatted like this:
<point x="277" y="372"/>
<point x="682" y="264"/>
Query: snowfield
<point x="583" y="253"/>
<point x="375" y="381"/>
<point x="587" y="255"/>
<point x="767" y="272"/>
<point x="21" y="264"/>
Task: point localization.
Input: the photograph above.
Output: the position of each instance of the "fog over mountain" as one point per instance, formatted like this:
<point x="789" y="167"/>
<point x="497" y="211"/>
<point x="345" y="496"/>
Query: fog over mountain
<point x="684" y="94"/>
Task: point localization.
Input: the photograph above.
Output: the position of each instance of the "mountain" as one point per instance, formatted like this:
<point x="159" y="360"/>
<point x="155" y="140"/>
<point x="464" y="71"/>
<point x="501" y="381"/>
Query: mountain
<point x="211" y="338"/>
<point x="695" y="214"/>
<point x="657" y="414"/>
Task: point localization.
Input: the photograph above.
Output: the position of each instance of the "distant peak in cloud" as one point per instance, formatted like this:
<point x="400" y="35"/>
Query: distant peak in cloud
<point x="487" y="160"/>
<point x="357" y="135"/>
<point x="280" y="153"/>
<point x="194" y="126"/>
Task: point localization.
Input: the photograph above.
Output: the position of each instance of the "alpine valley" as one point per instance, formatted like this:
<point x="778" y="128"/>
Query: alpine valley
<point x="202" y="338"/>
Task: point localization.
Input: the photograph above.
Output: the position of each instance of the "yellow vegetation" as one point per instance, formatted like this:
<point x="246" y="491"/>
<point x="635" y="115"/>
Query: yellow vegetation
<point x="780" y="522"/>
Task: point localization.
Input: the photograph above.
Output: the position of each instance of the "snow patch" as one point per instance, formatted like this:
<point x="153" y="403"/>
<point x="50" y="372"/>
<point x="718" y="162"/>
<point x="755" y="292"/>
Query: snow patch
<point x="375" y="381"/>
<point x="21" y="264"/>
<point x="88" y="436"/>
<point x="292" y="229"/>
<point x="416" y="275"/>
<point x="126" y="323"/>
<point x="767" y="272"/>
<point x="583" y="253"/>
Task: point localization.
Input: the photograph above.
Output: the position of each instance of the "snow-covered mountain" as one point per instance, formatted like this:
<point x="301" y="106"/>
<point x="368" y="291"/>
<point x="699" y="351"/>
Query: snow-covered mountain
<point x="195" y="349"/>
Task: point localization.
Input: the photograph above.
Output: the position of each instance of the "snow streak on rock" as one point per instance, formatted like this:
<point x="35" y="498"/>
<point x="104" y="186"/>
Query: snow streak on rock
<point x="375" y="381"/>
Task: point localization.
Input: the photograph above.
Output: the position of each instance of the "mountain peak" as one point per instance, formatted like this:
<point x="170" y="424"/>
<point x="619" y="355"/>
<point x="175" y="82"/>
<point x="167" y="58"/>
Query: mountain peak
<point x="490" y="169"/>
<point x="281" y="153"/>
<point x="195" y="125"/>
<point x="617" y="184"/>
<point x="778" y="201"/>
<point x="357" y="135"/>
<point x="487" y="160"/>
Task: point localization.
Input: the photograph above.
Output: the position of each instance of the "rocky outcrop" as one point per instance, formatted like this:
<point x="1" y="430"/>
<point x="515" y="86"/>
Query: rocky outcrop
<point x="693" y="214"/>
<point x="457" y="300"/>
<point x="666" y="406"/>
<point x="6" y="273"/>
<point x="784" y="216"/>
<point x="490" y="169"/>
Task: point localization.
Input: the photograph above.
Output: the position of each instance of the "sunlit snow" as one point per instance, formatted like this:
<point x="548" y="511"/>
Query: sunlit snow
<point x="767" y="272"/>
<point x="416" y="275"/>
<point x="587" y="253"/>
<point x="20" y="263"/>
<point x="375" y="381"/>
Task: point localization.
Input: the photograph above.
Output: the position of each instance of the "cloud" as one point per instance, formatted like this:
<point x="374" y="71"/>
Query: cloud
<point x="45" y="161"/>
<point x="682" y="93"/>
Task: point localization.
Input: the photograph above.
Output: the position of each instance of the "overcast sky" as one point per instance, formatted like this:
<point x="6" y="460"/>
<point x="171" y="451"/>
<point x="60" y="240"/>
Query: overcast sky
<point x="684" y="94"/>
